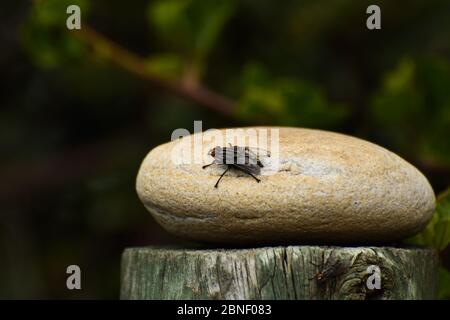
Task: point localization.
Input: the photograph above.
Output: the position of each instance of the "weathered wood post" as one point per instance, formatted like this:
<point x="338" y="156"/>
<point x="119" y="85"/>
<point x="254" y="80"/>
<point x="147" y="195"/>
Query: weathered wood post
<point x="278" y="273"/>
<point x="318" y="187"/>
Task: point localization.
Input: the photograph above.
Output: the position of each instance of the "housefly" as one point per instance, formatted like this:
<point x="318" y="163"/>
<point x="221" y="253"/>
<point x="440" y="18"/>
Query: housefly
<point x="332" y="268"/>
<point x="244" y="159"/>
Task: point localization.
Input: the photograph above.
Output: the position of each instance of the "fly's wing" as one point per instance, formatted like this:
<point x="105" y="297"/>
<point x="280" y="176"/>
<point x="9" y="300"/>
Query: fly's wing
<point x="248" y="168"/>
<point x="246" y="156"/>
<point x="237" y="155"/>
<point x="239" y="158"/>
<point x="258" y="152"/>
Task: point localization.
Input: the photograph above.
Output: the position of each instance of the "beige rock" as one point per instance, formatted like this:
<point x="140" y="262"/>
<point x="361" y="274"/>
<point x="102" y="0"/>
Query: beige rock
<point x="327" y="188"/>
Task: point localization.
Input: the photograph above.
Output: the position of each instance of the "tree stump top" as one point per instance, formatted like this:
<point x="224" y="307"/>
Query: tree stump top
<point x="292" y="272"/>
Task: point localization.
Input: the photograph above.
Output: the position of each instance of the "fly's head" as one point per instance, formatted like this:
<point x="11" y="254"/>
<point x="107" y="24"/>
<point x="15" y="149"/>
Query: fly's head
<point x="212" y="152"/>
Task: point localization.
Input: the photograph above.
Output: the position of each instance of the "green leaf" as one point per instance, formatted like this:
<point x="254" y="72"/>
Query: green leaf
<point x="216" y="15"/>
<point x="437" y="232"/>
<point x="443" y="283"/>
<point x="191" y="27"/>
<point x="52" y="13"/>
<point x="286" y="101"/>
<point x="442" y="227"/>
<point x="46" y="37"/>
<point x="412" y="109"/>
<point x="398" y="104"/>
<point x="167" y="16"/>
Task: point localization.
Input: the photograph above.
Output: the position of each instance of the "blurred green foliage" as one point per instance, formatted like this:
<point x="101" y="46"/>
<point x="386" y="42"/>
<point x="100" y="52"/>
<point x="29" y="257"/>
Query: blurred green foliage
<point x="437" y="235"/>
<point x="443" y="283"/>
<point x="414" y="99"/>
<point x="190" y="28"/>
<point x="305" y="63"/>
<point x="285" y="101"/>
<point x="437" y="232"/>
<point x="43" y="34"/>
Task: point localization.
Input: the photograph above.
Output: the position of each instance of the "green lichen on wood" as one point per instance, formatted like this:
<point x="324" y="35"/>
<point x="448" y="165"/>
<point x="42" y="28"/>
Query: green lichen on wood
<point x="276" y="273"/>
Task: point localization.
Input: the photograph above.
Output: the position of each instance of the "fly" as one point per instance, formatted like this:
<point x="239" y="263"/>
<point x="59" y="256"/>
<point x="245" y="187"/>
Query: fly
<point x="244" y="159"/>
<point x="333" y="268"/>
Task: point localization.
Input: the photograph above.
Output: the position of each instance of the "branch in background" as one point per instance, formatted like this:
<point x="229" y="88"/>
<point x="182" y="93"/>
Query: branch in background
<point x="136" y="65"/>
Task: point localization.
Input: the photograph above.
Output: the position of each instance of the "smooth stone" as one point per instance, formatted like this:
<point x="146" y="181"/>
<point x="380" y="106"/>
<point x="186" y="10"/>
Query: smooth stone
<point x="328" y="188"/>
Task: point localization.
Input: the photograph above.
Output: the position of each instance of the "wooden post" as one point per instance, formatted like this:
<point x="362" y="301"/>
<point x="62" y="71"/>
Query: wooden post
<point x="293" y="272"/>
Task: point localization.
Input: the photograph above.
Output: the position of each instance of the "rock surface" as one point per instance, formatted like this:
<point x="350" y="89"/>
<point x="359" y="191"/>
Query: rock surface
<point x="321" y="187"/>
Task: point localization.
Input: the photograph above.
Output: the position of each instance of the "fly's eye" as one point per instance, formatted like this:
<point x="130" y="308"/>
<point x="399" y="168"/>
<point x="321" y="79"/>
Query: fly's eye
<point x="212" y="152"/>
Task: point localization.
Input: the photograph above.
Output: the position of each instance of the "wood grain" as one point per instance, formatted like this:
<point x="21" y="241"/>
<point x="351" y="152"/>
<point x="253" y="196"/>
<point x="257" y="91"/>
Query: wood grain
<point x="277" y="273"/>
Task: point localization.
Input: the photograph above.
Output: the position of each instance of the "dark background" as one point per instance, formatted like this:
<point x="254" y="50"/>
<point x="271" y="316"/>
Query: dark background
<point x="79" y="112"/>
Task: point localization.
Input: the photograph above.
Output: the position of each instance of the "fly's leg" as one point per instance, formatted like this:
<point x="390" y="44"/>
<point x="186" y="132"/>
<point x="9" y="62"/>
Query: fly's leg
<point x="206" y="166"/>
<point x="247" y="172"/>
<point x="217" y="183"/>
<point x="257" y="180"/>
